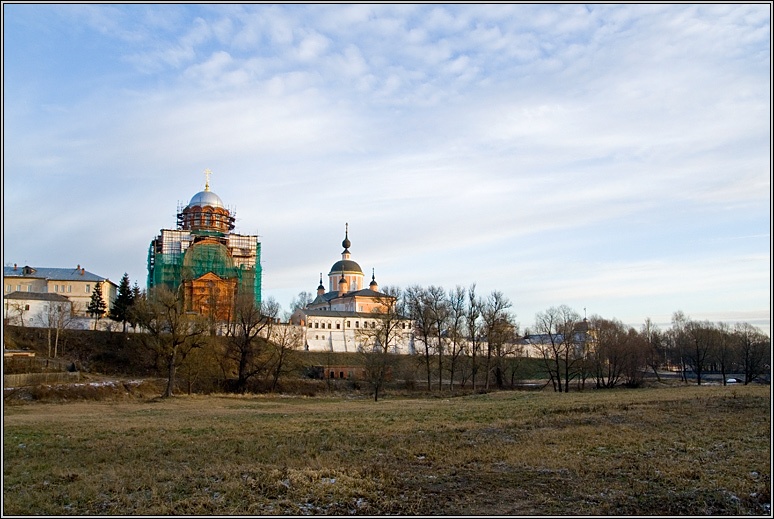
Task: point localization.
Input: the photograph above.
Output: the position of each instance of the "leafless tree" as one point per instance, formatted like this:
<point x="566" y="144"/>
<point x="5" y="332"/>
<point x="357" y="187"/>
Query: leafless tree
<point x="609" y="352"/>
<point x="724" y="352"/>
<point x="301" y="301"/>
<point x="635" y="358"/>
<point x="17" y="309"/>
<point x="656" y="354"/>
<point x="498" y="328"/>
<point x="456" y="329"/>
<point x="754" y="350"/>
<point x="56" y="316"/>
<point x="679" y="342"/>
<point x="473" y="328"/>
<point x="247" y="334"/>
<point x="377" y="345"/>
<point x="422" y="318"/>
<point x="438" y="307"/>
<point x="284" y="341"/>
<point x="701" y="339"/>
<point x="556" y="339"/>
<point x="172" y="333"/>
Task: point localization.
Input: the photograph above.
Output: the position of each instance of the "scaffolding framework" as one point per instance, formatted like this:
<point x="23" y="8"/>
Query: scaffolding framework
<point x="177" y="256"/>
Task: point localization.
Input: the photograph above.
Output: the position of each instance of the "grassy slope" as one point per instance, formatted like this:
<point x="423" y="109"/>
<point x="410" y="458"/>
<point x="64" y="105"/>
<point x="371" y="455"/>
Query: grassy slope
<point x="671" y="451"/>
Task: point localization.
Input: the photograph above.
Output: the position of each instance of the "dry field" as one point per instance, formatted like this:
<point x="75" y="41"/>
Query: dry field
<point x="659" y="451"/>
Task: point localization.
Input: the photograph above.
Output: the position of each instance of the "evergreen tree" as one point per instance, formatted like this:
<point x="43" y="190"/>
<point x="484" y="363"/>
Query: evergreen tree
<point x="97" y="305"/>
<point x="124" y="300"/>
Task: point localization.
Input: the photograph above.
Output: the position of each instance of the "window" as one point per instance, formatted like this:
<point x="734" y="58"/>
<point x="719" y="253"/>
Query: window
<point x="56" y="288"/>
<point x="7" y="288"/>
<point x="88" y="289"/>
<point x="316" y="325"/>
<point x="349" y="325"/>
<point x="338" y="326"/>
<point x="26" y="307"/>
<point x="341" y="374"/>
<point x="357" y="324"/>
<point x="29" y="288"/>
<point x="18" y="288"/>
<point x="69" y="288"/>
<point x="329" y="326"/>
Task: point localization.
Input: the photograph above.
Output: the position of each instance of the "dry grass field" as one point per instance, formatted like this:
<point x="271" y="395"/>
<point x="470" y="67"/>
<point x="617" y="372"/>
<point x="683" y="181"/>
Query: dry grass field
<point x="657" y="451"/>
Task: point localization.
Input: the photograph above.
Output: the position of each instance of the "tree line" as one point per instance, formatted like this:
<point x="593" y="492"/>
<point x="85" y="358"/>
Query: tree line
<point x="462" y="339"/>
<point x="465" y="340"/>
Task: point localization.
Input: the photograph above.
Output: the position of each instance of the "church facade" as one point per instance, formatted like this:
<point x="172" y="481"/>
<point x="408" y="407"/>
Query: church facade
<point x="338" y="318"/>
<point x="206" y="260"/>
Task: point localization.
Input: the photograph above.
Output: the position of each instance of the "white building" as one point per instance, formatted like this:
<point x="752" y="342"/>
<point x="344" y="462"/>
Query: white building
<point x="336" y="319"/>
<point x="75" y="284"/>
<point x="37" y="309"/>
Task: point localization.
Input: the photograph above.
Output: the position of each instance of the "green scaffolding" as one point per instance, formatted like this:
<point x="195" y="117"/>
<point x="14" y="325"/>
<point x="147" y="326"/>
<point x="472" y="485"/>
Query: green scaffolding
<point x="172" y="269"/>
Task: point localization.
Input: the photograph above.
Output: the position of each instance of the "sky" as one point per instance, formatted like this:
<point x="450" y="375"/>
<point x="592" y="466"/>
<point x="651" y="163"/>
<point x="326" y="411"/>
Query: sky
<point x="612" y="158"/>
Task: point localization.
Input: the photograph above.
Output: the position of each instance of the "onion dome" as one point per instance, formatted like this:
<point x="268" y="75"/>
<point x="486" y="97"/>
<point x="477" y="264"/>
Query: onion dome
<point x="346" y="243"/>
<point x="373" y="285"/>
<point x="320" y="286"/>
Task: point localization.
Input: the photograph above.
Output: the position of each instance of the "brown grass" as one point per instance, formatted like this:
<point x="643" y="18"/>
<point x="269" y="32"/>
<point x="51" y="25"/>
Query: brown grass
<point x="671" y="451"/>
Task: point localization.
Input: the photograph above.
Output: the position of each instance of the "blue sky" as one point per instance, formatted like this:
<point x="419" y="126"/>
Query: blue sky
<point x="608" y="157"/>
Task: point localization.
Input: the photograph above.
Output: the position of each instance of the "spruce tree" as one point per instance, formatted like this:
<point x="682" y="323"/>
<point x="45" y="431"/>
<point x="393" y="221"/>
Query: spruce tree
<point x="97" y="305"/>
<point x="124" y="299"/>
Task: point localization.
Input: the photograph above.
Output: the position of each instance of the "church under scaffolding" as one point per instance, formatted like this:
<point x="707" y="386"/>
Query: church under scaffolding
<point x="204" y="258"/>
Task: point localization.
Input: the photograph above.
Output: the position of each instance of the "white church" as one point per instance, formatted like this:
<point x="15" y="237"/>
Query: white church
<point x="332" y="321"/>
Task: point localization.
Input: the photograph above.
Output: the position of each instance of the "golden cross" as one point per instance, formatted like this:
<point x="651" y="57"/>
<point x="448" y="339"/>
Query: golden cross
<point x="207" y="173"/>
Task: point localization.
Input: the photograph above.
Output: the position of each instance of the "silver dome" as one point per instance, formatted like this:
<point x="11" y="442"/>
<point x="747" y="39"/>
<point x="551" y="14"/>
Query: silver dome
<point x="204" y="198"/>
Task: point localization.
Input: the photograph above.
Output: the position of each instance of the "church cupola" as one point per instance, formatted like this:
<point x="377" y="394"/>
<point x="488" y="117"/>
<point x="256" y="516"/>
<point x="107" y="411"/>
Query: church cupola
<point x="320" y="287"/>
<point x="373" y="285"/>
<point x="343" y="285"/>
<point x="205" y="214"/>
<point x="347" y="268"/>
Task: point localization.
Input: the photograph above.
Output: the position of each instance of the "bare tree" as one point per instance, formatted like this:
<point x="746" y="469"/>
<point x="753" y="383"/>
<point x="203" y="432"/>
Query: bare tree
<point x="172" y="333"/>
<point x="422" y="319"/>
<point x="754" y="350"/>
<point x="610" y="351"/>
<point x="438" y="307"/>
<point x="656" y="354"/>
<point x="284" y="341"/>
<point x="302" y="300"/>
<point x="473" y="328"/>
<point x="724" y="352"/>
<point x="635" y="358"/>
<point x="247" y="335"/>
<point x="679" y="343"/>
<point x="557" y="342"/>
<point x="456" y="329"/>
<point x="377" y="345"/>
<point x="498" y="326"/>
<point x="701" y="337"/>
<point x="56" y="316"/>
<point x="17" y="309"/>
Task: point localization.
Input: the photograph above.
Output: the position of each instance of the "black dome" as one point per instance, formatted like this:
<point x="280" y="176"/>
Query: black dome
<point x="346" y="266"/>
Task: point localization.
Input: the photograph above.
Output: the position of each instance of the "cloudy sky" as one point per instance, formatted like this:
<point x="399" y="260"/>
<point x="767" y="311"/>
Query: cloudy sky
<point x="612" y="158"/>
